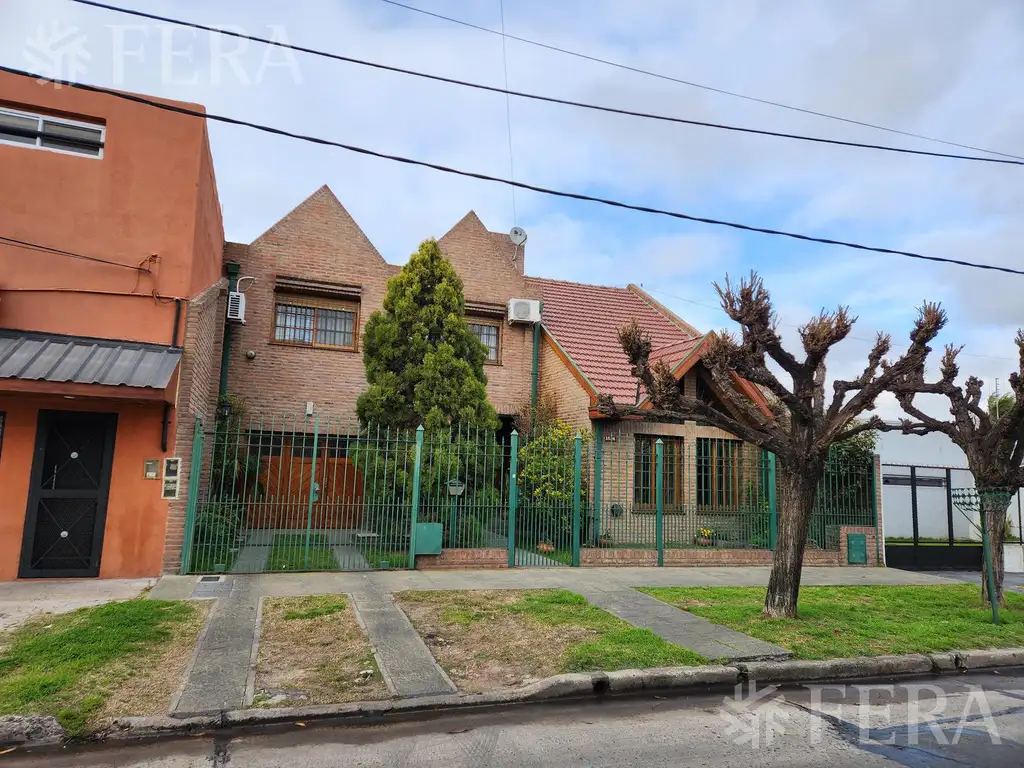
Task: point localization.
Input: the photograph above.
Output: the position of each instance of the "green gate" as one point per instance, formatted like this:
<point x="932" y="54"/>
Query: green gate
<point x="319" y="494"/>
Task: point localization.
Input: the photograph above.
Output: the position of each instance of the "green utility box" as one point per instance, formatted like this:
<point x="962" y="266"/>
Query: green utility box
<point x="857" y="549"/>
<point x="428" y="538"/>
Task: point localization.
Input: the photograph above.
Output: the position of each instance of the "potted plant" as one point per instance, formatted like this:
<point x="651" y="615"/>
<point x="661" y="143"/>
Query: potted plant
<point x="545" y="547"/>
<point x="604" y="541"/>
<point x="705" y="537"/>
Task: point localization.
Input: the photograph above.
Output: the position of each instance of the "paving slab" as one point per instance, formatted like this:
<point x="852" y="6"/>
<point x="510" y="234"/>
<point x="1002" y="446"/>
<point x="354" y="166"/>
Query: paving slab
<point x="681" y="628"/>
<point x="218" y="678"/>
<point x="252" y="559"/>
<point x="406" y="663"/>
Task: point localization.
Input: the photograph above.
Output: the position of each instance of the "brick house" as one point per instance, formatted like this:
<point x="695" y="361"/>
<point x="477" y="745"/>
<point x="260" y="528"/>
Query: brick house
<point x="111" y="313"/>
<point x="315" y="280"/>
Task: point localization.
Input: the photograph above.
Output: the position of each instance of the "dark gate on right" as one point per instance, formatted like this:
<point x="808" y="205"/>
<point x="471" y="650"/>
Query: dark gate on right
<point x="923" y="529"/>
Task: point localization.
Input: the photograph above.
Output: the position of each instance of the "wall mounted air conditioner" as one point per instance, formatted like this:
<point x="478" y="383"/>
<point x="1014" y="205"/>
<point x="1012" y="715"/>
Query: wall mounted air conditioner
<point x="236" y="307"/>
<point x="523" y="311"/>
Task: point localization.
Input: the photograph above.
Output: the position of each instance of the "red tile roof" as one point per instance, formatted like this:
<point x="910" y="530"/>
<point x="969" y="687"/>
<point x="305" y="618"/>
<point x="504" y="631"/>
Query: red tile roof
<point x="585" y="320"/>
<point x="673" y="354"/>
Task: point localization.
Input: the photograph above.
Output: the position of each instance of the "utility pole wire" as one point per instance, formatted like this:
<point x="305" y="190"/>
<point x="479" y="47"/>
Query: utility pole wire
<point x="549" y="99"/>
<point x="692" y="84"/>
<point x="518" y="184"/>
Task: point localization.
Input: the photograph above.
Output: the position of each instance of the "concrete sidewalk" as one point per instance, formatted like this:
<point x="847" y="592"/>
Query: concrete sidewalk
<point x="20" y="600"/>
<point x="223" y="664"/>
<point x="294" y="584"/>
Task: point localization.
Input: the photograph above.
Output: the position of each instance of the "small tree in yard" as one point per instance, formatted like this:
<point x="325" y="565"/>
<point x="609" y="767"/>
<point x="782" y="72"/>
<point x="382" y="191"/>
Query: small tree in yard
<point x="424" y="366"/>
<point x="994" y="446"/>
<point x="423" y="363"/>
<point x="804" y="423"/>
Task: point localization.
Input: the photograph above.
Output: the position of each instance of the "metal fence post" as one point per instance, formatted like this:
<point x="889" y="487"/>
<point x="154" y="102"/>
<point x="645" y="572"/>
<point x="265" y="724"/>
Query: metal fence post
<point x="596" y="490"/>
<point x="773" y="503"/>
<point x="417" y="462"/>
<point x="513" y="497"/>
<point x="312" y="490"/>
<point x="195" y="463"/>
<point x="577" y="500"/>
<point x="659" y="488"/>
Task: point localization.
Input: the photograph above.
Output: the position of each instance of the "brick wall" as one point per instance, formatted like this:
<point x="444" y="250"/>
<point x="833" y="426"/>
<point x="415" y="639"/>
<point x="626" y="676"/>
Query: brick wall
<point x="717" y="556"/>
<point x="199" y="377"/>
<point x="463" y="558"/>
<point x="319" y="241"/>
<point x="560" y="386"/>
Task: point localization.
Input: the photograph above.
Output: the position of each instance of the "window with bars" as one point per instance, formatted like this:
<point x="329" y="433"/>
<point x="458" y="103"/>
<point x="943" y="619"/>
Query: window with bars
<point x="56" y="134"/>
<point x="645" y="471"/>
<point x="719" y="475"/>
<point x="314" y="324"/>
<point x="489" y="334"/>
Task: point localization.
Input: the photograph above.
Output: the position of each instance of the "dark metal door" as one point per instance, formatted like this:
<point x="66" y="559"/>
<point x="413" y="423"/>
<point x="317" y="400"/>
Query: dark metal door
<point x="67" y="503"/>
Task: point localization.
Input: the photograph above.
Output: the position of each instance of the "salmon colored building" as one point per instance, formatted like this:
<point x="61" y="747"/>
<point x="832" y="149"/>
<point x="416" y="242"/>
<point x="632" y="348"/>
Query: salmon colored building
<point x="111" y="315"/>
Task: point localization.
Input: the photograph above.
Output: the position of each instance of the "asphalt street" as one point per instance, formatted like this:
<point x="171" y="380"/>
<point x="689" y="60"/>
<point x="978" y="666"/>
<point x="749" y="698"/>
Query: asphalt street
<point x="937" y="722"/>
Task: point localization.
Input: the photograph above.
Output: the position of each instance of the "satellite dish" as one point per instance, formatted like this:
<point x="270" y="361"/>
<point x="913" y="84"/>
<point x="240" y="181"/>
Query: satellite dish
<point x="517" y="235"/>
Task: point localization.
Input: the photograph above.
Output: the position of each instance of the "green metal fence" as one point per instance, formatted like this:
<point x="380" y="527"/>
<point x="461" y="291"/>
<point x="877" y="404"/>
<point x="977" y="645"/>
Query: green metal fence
<point x="714" y="493"/>
<point x="312" y="493"/>
<point x="846" y="496"/>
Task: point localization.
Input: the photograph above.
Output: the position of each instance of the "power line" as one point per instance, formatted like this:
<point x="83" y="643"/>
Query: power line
<point x="71" y="254"/>
<point x="791" y="325"/>
<point x="517" y="184"/>
<point x="548" y="99"/>
<point x="692" y="84"/>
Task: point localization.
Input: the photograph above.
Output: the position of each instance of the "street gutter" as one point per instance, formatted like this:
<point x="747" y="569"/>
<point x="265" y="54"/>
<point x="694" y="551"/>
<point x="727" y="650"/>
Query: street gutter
<point x="27" y="733"/>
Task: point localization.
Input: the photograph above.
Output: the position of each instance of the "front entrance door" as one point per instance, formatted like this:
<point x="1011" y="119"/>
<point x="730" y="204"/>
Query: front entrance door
<point x="67" y="502"/>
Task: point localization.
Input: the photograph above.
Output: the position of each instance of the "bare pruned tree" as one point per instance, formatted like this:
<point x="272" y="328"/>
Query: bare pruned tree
<point x="803" y="424"/>
<point x="994" y="445"/>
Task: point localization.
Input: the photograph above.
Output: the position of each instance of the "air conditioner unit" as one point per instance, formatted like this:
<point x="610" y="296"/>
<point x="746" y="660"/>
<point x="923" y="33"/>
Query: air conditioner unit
<point x="523" y="311"/>
<point x="236" y="307"/>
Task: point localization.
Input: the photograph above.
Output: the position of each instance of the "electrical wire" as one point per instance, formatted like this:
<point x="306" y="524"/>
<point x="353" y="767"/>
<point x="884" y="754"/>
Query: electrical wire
<point x="692" y="84"/>
<point x="71" y="254"/>
<point x="549" y="99"/>
<point x="518" y="184"/>
<point x="791" y="325"/>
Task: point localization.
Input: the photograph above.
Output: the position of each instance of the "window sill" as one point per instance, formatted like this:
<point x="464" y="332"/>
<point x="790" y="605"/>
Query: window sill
<point x="321" y="347"/>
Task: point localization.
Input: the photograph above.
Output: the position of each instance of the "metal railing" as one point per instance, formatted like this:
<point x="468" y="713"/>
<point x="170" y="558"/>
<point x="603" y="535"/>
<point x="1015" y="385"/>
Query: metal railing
<point x="296" y="494"/>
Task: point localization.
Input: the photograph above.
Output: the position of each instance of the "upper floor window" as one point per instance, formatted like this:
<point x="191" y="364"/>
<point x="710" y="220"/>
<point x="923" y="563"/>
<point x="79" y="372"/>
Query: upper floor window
<point x="315" y="322"/>
<point x="490" y="335"/>
<point x="53" y="133"/>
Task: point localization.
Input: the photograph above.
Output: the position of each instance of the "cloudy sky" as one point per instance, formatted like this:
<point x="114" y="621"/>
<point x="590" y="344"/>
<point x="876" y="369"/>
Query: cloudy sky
<point x="943" y="68"/>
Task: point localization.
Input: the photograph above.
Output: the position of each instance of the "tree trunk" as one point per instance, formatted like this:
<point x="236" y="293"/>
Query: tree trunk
<point x="994" y="503"/>
<point x="796" y="496"/>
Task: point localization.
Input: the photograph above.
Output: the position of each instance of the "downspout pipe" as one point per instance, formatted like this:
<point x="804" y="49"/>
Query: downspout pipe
<point x="536" y="364"/>
<point x="232" y="268"/>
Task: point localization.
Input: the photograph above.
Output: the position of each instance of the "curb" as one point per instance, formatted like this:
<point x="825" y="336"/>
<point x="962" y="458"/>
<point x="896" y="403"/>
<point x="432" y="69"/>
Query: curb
<point x="579" y="686"/>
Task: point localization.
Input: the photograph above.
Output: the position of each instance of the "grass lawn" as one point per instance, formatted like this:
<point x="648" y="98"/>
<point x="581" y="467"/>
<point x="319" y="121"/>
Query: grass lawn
<point x="838" y="622"/>
<point x="312" y="651"/>
<point x="116" y="659"/>
<point x="206" y="559"/>
<point x="289" y="553"/>
<point x="487" y="639"/>
<point x="394" y="558"/>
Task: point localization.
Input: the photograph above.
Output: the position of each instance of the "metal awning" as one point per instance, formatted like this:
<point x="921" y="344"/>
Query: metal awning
<point x="79" y="360"/>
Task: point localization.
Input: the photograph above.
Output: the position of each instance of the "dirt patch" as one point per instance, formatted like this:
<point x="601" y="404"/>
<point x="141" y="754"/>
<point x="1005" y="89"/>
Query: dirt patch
<point x="146" y="686"/>
<point x="312" y="650"/>
<point x="481" y="646"/>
